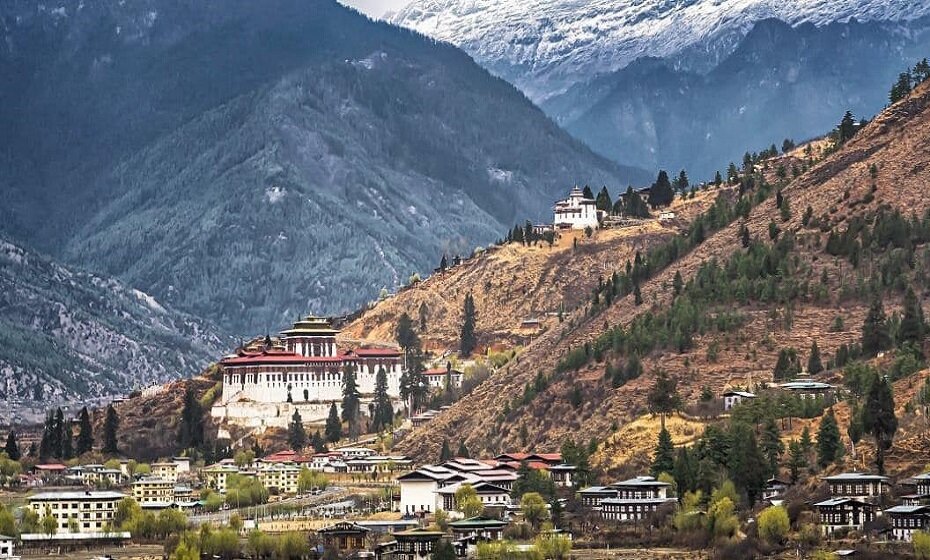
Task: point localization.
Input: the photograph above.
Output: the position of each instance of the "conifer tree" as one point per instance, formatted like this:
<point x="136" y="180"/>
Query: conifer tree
<point x="351" y="399"/>
<point x="718" y="178"/>
<point x="383" y="411"/>
<point x="682" y="182"/>
<point x="45" y="447"/>
<point x="424" y="315"/>
<point x="913" y="326"/>
<point x="797" y="460"/>
<point x="661" y="193"/>
<point x="317" y="442"/>
<point x="748" y="466"/>
<point x="664" y="460"/>
<point x="875" y="337"/>
<point x="58" y="433"/>
<point x="296" y="435"/>
<point x="664" y="398"/>
<point x="443" y="264"/>
<point x="771" y="444"/>
<point x="847" y="128"/>
<point x="806" y="443"/>
<point x="445" y="453"/>
<point x="190" y="428"/>
<point x="603" y="201"/>
<point x="828" y="440"/>
<point x="463" y="451"/>
<point x="333" y="425"/>
<point x="67" y="441"/>
<point x="12" y="447"/>
<point x="468" y="340"/>
<point x="110" y="430"/>
<point x="814" y="364"/>
<point x="587" y="192"/>
<point x="677" y="283"/>
<point x="686" y="471"/>
<point x="85" y="440"/>
<point x="878" y="418"/>
<point x="404" y="334"/>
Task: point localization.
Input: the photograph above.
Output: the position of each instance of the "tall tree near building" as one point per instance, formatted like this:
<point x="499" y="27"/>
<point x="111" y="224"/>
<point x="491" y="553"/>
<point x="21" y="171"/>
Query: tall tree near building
<point x="317" y="442"/>
<point x="828" y="440"/>
<point x="664" y="460"/>
<point x="814" y="364"/>
<point x="664" y="398"/>
<point x="468" y="340"/>
<point x="682" y="182"/>
<point x="406" y="337"/>
<point x="12" y="447"/>
<point x="190" y="429"/>
<point x="875" y="337"/>
<point x="748" y="466"/>
<point x="296" y="435"/>
<point x="85" y="440"/>
<point x="58" y="433"/>
<point x="463" y="451"/>
<point x="797" y="460"/>
<point x="771" y="444"/>
<point x="661" y="193"/>
<point x="67" y="441"/>
<point x="333" y="425"/>
<point x="854" y="431"/>
<point x="603" y="202"/>
<point x="445" y="453"/>
<point x="878" y="418"/>
<point x="383" y="411"/>
<point x="110" y="431"/>
<point x="45" y="447"/>
<point x="587" y="192"/>
<point x="351" y="399"/>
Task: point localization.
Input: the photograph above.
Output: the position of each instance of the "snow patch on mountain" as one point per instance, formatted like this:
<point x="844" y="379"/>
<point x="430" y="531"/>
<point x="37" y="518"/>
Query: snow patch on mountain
<point x="544" y="46"/>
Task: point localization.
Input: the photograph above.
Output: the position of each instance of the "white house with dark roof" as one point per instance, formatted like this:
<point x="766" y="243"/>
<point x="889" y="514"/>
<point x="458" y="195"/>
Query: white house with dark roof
<point x="858" y="485"/>
<point x="418" y="489"/>
<point x="906" y="519"/>
<point x="733" y="398"/>
<point x="576" y="211"/>
<point x="628" y="500"/>
<point x="838" y="514"/>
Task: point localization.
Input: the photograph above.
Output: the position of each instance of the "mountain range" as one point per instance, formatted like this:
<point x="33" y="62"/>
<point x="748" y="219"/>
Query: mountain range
<point x="247" y="162"/>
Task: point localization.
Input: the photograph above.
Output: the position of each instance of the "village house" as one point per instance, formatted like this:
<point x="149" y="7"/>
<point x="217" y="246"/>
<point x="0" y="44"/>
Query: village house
<point x="279" y="477"/>
<point x="490" y="495"/>
<point x="774" y="489"/>
<point x="439" y="378"/>
<point x="6" y="548"/>
<point x="853" y="501"/>
<point x="467" y="533"/>
<point x="345" y="537"/>
<point x="636" y="499"/>
<point x="418" y="489"/>
<point x="563" y="475"/>
<point x="576" y="212"/>
<point x="166" y="471"/>
<point x="92" y="510"/>
<point x="733" y="398"/>
<point x="807" y="389"/>
<point x="906" y="519"/>
<point x="412" y="544"/>
<point x="153" y="492"/>
<point x="216" y="475"/>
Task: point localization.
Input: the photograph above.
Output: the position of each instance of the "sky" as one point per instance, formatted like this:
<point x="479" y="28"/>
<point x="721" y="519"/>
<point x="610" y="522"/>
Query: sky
<point x="376" y="8"/>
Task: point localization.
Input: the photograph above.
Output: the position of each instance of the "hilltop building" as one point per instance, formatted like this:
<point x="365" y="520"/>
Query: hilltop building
<point x="577" y="212"/>
<point x="301" y="370"/>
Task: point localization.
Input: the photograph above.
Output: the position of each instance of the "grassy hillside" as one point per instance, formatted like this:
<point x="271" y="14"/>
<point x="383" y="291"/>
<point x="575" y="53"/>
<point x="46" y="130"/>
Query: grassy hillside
<point x="739" y="306"/>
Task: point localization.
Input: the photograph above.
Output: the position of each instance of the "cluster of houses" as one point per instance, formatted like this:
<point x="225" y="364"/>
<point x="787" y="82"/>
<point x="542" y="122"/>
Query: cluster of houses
<point x="432" y="487"/>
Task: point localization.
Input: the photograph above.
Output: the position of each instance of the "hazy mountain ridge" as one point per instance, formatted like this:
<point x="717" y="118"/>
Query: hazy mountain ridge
<point x="249" y="162"/>
<point x="545" y="46"/>
<point x="69" y="335"/>
<point x="780" y="82"/>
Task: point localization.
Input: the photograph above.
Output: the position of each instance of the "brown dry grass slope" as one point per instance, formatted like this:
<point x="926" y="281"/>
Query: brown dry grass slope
<point x="897" y="142"/>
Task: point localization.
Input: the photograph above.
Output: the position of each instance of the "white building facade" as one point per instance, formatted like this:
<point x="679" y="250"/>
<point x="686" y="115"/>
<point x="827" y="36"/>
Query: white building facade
<point x="576" y="212"/>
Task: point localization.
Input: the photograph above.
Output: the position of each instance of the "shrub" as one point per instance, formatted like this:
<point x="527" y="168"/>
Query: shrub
<point x="921" y="541"/>
<point x="773" y="524"/>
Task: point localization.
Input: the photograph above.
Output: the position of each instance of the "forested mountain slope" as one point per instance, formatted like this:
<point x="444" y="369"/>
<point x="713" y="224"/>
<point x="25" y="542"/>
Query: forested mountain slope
<point x="852" y="226"/>
<point x="248" y="161"/>
<point x="66" y="336"/>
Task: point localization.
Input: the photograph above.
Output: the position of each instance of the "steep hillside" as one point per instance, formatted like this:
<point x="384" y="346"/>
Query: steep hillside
<point x="67" y="335"/>
<point x="777" y="295"/>
<point x="544" y="46"/>
<point x="246" y="161"/>
<point x="513" y="283"/>
<point x="779" y="82"/>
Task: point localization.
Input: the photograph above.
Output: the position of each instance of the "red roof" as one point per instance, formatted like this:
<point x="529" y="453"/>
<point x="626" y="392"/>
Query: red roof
<point x="515" y="456"/>
<point x="286" y="456"/>
<point x="51" y="467"/>
<point x="549" y="456"/>
<point x="279" y="357"/>
<point x="377" y="353"/>
<point x="538" y="465"/>
<point x="435" y="371"/>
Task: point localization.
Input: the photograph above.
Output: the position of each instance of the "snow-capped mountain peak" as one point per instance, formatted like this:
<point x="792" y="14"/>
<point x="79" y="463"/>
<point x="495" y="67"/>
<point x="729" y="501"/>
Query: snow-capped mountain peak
<point x="543" y="46"/>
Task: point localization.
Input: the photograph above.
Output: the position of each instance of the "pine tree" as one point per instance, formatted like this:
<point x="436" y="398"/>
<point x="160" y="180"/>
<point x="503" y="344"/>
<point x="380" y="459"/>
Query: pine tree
<point x="828" y="440"/>
<point x="661" y="193"/>
<point x="404" y="334"/>
<point x="57" y="433"/>
<point x="748" y="466"/>
<point x="351" y="399"/>
<point x="664" y="460"/>
<point x="745" y="240"/>
<point x="85" y="440"/>
<point x="587" y="192"/>
<point x="664" y="398"/>
<point x="110" y="430"/>
<point x="296" y="435"/>
<point x="12" y="447"/>
<point x="913" y="327"/>
<point x="445" y="454"/>
<point x="190" y="428"/>
<point x="603" y="201"/>
<point x="443" y="264"/>
<point x="468" y="340"/>
<point x="878" y="418"/>
<point x="424" y="315"/>
<point x="333" y="425"/>
<point x="677" y="283"/>
<point x="901" y="88"/>
<point x="45" y="447"/>
<point x="771" y="444"/>
<point x="682" y="182"/>
<point x="686" y="471"/>
<point x="718" y="178"/>
<point x="67" y="441"/>
<point x="847" y="128"/>
<point x="806" y="443"/>
<point x="875" y="337"/>
<point x="317" y="442"/>
<point x="797" y="460"/>
<point x="814" y="364"/>
<point x="383" y="412"/>
<point x="463" y="451"/>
